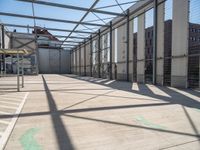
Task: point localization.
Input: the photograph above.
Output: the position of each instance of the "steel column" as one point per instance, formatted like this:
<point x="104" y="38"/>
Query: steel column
<point x="3" y="47"/>
<point x="99" y="54"/>
<point x="84" y="58"/>
<point x="91" y="55"/>
<point x="155" y="41"/>
<point x="18" y="73"/>
<point x="111" y="50"/>
<point x="79" y="60"/>
<point x="127" y="46"/>
<point x="22" y="70"/>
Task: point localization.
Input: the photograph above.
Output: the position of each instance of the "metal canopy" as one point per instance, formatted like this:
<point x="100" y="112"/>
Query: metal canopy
<point x="101" y="18"/>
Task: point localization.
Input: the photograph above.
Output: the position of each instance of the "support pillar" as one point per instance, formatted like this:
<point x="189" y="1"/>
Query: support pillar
<point x="155" y="41"/>
<point x="99" y="54"/>
<point x="91" y="55"/>
<point x="141" y="49"/>
<point x="111" y="42"/>
<point x="160" y="44"/>
<point x="22" y="70"/>
<point x="18" y="74"/>
<point x="79" y="60"/>
<point x="76" y="63"/>
<point x="3" y="47"/>
<point x="84" y="58"/>
<point x="131" y="50"/>
<point x="179" y="43"/>
<point x="127" y="46"/>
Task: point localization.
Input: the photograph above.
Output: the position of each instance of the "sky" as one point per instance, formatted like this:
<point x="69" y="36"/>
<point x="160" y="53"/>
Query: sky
<point x="17" y="7"/>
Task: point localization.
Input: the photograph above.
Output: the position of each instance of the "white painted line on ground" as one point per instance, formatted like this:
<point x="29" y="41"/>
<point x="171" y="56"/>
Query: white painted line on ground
<point x="9" y="107"/>
<point x="7" y="133"/>
<point x="4" y="122"/>
<point x="11" y="99"/>
<point x="5" y="113"/>
<point x="10" y="103"/>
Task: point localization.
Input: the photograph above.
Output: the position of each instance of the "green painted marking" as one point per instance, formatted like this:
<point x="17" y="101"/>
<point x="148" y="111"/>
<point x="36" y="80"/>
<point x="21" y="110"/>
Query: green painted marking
<point x="197" y="110"/>
<point x="28" y="141"/>
<point x="149" y="124"/>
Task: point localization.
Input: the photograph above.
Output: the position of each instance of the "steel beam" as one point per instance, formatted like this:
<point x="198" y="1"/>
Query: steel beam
<point x="127" y="46"/>
<point x="50" y="19"/>
<point x="125" y="3"/>
<point x="73" y="7"/>
<point x="155" y="41"/>
<point x="111" y="50"/>
<point x="50" y="29"/>
<point x="50" y="35"/>
<point x="84" y="16"/>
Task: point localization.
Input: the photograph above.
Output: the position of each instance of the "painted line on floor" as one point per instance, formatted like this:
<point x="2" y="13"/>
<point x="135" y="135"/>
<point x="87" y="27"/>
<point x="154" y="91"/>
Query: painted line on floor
<point x="9" y="107"/>
<point x="12" y="99"/>
<point x="4" y="113"/>
<point x="28" y="140"/>
<point x="10" y="103"/>
<point x="4" y="122"/>
<point x="147" y="123"/>
<point x="11" y="126"/>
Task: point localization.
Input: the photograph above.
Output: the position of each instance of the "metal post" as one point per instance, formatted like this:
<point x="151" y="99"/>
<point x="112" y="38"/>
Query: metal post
<point x="99" y="51"/>
<point x="18" y="73"/>
<point x="80" y="60"/>
<point x="155" y="41"/>
<point x="127" y="46"/>
<point x="36" y="44"/>
<point x="60" y="61"/>
<point x="4" y="55"/>
<point x="22" y="68"/>
<point x="76" y="61"/>
<point x="11" y="63"/>
<point x="3" y="47"/>
<point x="110" y="50"/>
<point x="85" y="58"/>
<point x="199" y="72"/>
<point x="91" y="55"/>
<point x="70" y="62"/>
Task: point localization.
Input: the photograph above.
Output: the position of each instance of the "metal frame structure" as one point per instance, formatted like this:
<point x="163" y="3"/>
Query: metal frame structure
<point x="75" y="45"/>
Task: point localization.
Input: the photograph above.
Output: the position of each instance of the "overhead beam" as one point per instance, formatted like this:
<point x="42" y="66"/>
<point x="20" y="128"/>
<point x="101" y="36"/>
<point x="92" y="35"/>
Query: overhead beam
<point x="50" y="19"/>
<point x="72" y="7"/>
<point x="49" y="40"/>
<point x="81" y="20"/>
<point x="108" y="6"/>
<point x="50" y="29"/>
<point x="48" y="35"/>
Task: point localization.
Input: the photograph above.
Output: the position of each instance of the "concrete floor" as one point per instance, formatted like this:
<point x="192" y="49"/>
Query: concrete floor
<point x="68" y="112"/>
